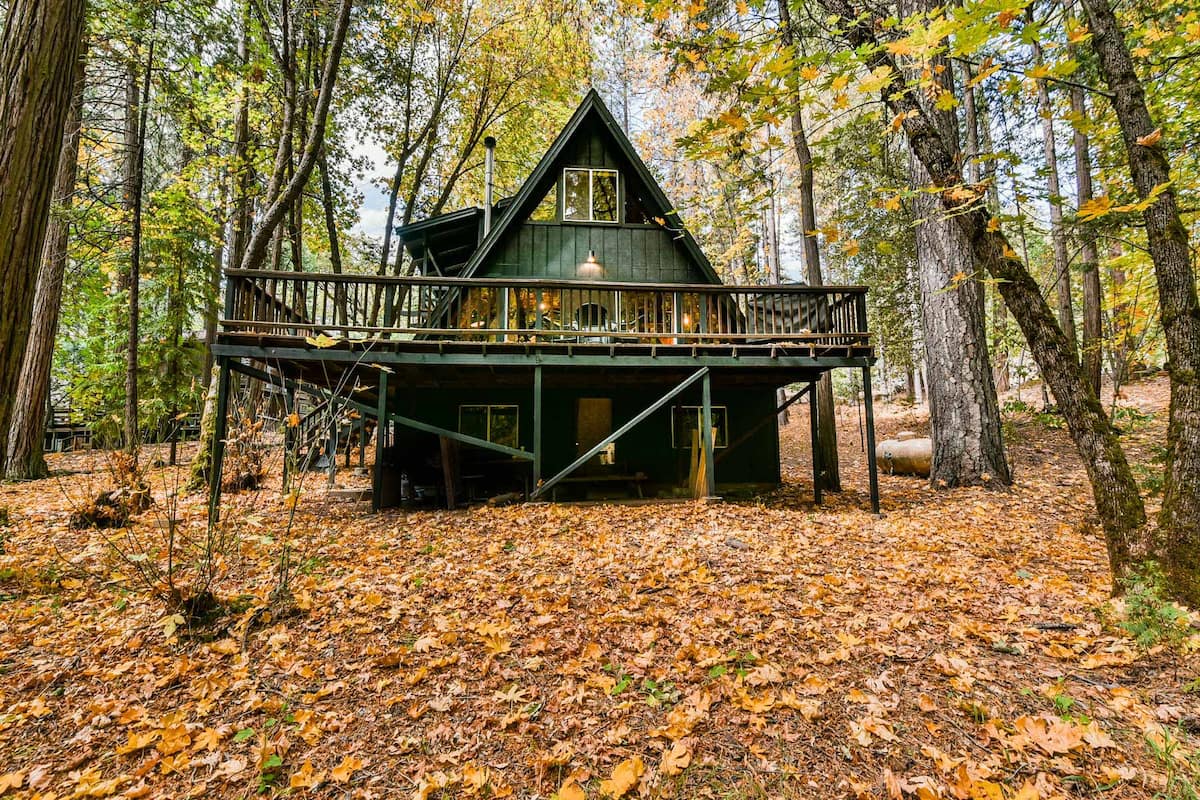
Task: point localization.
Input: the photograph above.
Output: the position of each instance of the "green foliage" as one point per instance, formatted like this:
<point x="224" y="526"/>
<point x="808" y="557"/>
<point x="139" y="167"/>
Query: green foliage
<point x="1149" y="617"/>
<point x="1183" y="773"/>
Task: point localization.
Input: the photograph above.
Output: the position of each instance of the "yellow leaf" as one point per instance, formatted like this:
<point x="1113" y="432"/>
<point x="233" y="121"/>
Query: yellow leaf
<point x="810" y="73"/>
<point x="1150" y="139"/>
<point x="945" y="100"/>
<point x="624" y="777"/>
<point x="993" y="224"/>
<point x="675" y="759"/>
<point x="306" y="777"/>
<point x="839" y="83"/>
<point x="138" y="741"/>
<point x="1077" y="34"/>
<point x="321" y="340"/>
<point x="1095" y="208"/>
<point x="11" y="780"/>
<point x="742" y="8"/>
<point x="570" y="791"/>
<point x="293" y="419"/>
<point x="349" y="765"/>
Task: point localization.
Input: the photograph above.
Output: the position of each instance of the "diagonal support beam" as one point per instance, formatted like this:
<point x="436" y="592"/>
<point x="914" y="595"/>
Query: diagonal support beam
<point x="416" y="424"/>
<point x="618" y="433"/>
<point x="758" y="426"/>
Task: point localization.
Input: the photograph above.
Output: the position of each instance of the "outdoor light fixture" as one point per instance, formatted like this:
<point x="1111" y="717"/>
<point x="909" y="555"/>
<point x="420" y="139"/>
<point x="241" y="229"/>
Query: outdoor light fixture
<point x="590" y="268"/>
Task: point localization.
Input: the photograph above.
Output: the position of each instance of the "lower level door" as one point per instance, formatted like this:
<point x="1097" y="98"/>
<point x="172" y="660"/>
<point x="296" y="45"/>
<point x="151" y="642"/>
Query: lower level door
<point x="593" y="424"/>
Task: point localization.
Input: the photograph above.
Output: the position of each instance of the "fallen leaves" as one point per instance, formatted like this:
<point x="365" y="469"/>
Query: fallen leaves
<point x="631" y="651"/>
<point x="624" y="777"/>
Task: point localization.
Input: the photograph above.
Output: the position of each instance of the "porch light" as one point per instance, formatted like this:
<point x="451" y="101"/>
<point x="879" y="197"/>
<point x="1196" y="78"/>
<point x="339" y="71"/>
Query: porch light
<point x="590" y="268"/>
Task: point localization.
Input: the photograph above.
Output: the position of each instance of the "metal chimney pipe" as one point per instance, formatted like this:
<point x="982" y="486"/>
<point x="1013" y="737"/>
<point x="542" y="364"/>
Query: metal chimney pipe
<point x="489" y="172"/>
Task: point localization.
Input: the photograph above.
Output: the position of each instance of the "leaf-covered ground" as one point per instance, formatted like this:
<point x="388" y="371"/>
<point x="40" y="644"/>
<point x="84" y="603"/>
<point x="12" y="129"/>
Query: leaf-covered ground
<point x="959" y="646"/>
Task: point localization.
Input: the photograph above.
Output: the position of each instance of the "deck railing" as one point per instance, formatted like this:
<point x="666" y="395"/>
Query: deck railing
<point x="541" y="310"/>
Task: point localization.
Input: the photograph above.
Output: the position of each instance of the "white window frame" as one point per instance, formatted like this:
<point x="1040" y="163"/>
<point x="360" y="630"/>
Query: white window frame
<point x="489" y="406"/>
<point x="699" y="413"/>
<point x="591" y="171"/>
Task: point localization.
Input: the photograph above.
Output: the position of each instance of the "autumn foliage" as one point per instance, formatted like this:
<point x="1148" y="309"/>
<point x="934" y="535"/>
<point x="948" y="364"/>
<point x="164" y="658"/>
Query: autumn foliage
<point x="962" y="646"/>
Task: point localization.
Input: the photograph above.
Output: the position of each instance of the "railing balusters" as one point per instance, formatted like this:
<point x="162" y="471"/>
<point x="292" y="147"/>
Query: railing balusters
<point x="521" y="309"/>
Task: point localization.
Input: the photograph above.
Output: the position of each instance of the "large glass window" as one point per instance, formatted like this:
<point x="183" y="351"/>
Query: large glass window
<point x="685" y="423"/>
<point x="590" y="195"/>
<point x="495" y="424"/>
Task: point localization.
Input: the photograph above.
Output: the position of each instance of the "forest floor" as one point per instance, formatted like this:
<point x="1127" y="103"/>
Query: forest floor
<point x="961" y="645"/>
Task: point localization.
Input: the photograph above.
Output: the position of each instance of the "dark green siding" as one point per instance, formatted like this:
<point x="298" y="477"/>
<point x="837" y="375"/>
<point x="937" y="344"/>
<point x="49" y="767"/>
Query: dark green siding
<point x="647" y="448"/>
<point x="645" y="253"/>
<point x="627" y="253"/>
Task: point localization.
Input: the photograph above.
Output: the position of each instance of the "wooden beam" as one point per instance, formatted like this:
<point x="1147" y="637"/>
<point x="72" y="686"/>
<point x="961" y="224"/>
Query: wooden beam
<point x="815" y="438"/>
<point x="580" y="358"/>
<point x="381" y="431"/>
<point x="617" y="434"/>
<point x="218" y="443"/>
<point x="706" y="437"/>
<point x="537" y="424"/>
<point x="408" y="422"/>
<point x="872" y="467"/>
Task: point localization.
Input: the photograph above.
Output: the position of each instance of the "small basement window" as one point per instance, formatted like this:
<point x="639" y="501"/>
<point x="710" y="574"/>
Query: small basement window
<point x="495" y="424"/>
<point x="590" y="195"/>
<point x="685" y="421"/>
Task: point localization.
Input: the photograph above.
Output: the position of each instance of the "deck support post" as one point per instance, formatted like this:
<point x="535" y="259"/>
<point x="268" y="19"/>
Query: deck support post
<point x="289" y="434"/>
<point x="872" y="467"/>
<point x="815" y="436"/>
<point x="218" y="442"/>
<point x="381" y="429"/>
<point x="537" y="425"/>
<point x="706" y="437"/>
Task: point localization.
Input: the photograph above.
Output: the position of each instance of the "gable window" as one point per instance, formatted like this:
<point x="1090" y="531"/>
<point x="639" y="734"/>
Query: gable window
<point x="685" y="423"/>
<point x="495" y="424"/>
<point x="590" y="195"/>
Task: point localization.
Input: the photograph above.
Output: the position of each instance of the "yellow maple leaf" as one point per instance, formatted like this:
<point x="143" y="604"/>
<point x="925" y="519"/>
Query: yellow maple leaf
<point x="1095" y="208"/>
<point x="675" y="759"/>
<point x="293" y="419"/>
<point x="810" y="73"/>
<point x="624" y="777"/>
<point x="11" y="780"/>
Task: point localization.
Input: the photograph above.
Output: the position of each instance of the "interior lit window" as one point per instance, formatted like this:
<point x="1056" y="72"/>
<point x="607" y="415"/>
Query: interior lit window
<point x="590" y="195"/>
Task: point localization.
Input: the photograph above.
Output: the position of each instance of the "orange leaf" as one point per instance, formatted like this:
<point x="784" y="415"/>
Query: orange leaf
<point x="624" y="777"/>
<point x="675" y="759"/>
<point x="342" y="772"/>
<point x="1150" y="139"/>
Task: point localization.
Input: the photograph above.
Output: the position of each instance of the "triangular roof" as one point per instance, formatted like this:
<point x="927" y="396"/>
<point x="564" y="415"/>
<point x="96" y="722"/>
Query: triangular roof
<point x="530" y="194"/>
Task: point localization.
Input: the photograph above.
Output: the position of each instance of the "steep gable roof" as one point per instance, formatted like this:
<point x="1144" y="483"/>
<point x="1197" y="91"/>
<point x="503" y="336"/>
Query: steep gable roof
<point x="535" y="185"/>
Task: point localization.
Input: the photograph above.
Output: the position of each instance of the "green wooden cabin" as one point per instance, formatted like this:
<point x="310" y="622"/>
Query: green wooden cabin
<point x="570" y="341"/>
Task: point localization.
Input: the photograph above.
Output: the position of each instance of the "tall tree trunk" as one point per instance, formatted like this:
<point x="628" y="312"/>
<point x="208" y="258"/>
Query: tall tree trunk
<point x="138" y="158"/>
<point x="38" y="53"/>
<point x="964" y="416"/>
<point x="999" y="321"/>
<point x="331" y="232"/>
<point x="1089" y="256"/>
<point x="1058" y="237"/>
<point x="256" y="249"/>
<point x="1179" y="520"/>
<point x="32" y="390"/>
<point x="826" y="421"/>
<point x="241" y="216"/>
<point x="1113" y="487"/>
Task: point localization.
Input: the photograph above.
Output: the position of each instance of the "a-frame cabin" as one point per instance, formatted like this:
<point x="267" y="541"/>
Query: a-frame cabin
<point x="572" y="338"/>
